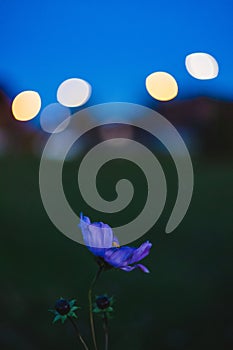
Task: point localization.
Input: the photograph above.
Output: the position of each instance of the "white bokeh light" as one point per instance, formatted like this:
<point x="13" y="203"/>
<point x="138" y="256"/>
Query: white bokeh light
<point x="202" y="66"/>
<point x="73" y="92"/>
<point x="52" y="116"/>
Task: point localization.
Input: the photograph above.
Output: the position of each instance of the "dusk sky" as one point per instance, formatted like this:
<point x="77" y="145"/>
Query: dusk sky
<point x="113" y="45"/>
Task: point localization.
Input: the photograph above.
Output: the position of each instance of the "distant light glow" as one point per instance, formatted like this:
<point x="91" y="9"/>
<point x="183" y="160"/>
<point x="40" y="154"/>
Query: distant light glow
<point x="162" y="86"/>
<point x="73" y="92"/>
<point x="117" y="135"/>
<point x="54" y="118"/>
<point x="57" y="145"/>
<point x="202" y="66"/>
<point x="26" y="105"/>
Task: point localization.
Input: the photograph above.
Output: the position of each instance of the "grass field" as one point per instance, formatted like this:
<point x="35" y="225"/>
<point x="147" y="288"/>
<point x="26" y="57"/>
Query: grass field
<point x="184" y="303"/>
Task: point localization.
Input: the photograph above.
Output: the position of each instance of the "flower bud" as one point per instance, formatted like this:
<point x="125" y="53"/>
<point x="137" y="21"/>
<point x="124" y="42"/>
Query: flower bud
<point x="62" y="306"/>
<point x="102" y="302"/>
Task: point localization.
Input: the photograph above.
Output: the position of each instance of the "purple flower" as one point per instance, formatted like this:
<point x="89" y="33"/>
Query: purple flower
<point x="100" y="240"/>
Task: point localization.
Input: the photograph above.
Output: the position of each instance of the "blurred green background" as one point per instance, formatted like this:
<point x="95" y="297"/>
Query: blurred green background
<point x="186" y="300"/>
<point x="184" y="303"/>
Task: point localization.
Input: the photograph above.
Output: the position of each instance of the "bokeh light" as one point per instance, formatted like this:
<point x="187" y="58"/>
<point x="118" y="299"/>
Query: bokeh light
<point x="73" y="92"/>
<point x="57" y="145"/>
<point x="54" y="118"/>
<point x="162" y="86"/>
<point x="26" y="105"/>
<point x="201" y="66"/>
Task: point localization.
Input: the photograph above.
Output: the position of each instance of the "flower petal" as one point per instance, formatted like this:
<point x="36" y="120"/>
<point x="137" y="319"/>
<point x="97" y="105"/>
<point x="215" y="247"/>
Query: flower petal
<point x="97" y="251"/>
<point x="118" y="257"/>
<point x="87" y="237"/>
<point x="131" y="268"/>
<point x="141" y="252"/>
<point x="85" y="218"/>
<point x="97" y="234"/>
<point x="143" y="268"/>
<point x="101" y="235"/>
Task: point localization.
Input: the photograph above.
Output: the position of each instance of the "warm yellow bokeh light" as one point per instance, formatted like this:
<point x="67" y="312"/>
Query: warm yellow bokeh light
<point x="26" y="105"/>
<point x="161" y="86"/>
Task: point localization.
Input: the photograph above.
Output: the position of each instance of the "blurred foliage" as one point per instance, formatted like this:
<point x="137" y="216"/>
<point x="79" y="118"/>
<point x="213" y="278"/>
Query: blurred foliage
<point x="184" y="303"/>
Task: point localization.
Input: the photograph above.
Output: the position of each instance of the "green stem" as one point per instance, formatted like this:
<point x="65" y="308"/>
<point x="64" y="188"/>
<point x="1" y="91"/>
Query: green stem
<point x="90" y="305"/>
<point x="105" y="325"/>
<point x="78" y="333"/>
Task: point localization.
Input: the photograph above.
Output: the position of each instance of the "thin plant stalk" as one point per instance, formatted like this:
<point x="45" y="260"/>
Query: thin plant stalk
<point x="78" y="333"/>
<point x="90" y="306"/>
<point x="106" y="333"/>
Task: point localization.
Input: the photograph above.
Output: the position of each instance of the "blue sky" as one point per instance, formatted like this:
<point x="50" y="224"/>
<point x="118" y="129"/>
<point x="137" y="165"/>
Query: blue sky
<point x="113" y="45"/>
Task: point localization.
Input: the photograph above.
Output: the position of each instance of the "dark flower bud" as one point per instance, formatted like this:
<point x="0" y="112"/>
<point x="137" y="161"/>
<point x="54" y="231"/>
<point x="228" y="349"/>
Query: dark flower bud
<point x="62" y="306"/>
<point x="102" y="302"/>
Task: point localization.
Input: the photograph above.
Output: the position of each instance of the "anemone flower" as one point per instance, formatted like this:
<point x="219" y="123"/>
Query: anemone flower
<point x="100" y="240"/>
